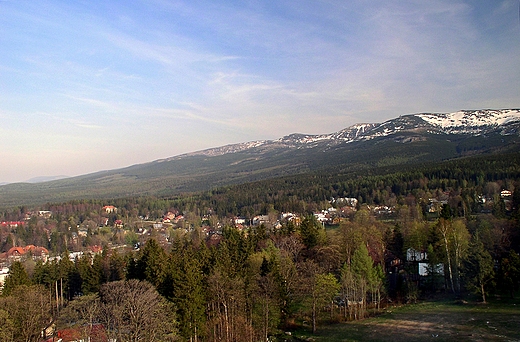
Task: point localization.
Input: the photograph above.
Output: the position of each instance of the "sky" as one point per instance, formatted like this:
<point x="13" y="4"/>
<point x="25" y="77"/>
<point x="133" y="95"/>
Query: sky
<point x="96" y="85"/>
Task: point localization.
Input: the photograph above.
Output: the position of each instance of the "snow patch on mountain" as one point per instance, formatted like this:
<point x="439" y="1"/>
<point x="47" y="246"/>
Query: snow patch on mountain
<point x="472" y="118"/>
<point x="472" y="122"/>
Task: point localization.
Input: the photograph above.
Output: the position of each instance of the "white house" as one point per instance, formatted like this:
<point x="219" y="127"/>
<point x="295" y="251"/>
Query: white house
<point x="415" y="255"/>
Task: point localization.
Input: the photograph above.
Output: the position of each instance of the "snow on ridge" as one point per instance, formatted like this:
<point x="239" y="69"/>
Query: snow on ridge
<point x="460" y="122"/>
<point x="354" y="131"/>
<point x="472" y="118"/>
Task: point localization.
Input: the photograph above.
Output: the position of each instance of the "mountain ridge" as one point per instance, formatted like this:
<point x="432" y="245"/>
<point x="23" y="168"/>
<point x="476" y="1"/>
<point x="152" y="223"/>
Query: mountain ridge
<point x="481" y="121"/>
<point x="407" y="139"/>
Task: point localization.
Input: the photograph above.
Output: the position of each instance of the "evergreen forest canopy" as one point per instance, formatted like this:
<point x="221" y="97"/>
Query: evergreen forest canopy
<point x="209" y="278"/>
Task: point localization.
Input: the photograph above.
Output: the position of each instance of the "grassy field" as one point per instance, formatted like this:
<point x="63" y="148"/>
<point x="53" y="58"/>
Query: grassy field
<point x="429" y="321"/>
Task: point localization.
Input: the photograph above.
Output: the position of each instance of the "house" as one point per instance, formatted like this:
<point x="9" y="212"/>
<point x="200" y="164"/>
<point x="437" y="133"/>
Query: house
<point x="21" y="253"/>
<point x="258" y="220"/>
<point x="45" y="213"/>
<point x="506" y="193"/>
<point x="4" y="272"/>
<point x="239" y="221"/>
<point x="323" y="216"/>
<point x="345" y="201"/>
<point x="15" y="253"/>
<point x="290" y="217"/>
<point x="435" y="206"/>
<point x="178" y="218"/>
<point x="109" y="209"/>
<point x="421" y="260"/>
<point x="415" y="255"/>
<point x="75" y="255"/>
<point x="169" y="216"/>
<point x="94" y="333"/>
<point x="12" y="224"/>
<point x="95" y="249"/>
<point x="424" y="269"/>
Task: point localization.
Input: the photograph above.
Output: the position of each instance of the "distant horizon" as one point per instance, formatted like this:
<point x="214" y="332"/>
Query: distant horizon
<point x="45" y="178"/>
<point x="88" y="86"/>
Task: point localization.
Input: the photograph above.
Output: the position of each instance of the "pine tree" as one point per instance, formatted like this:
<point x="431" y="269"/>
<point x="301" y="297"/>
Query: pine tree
<point x="310" y="231"/>
<point x="17" y="277"/>
<point x="188" y="290"/>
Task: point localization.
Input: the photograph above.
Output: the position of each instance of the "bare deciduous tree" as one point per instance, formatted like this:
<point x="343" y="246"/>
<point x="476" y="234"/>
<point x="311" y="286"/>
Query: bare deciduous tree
<point x="29" y="312"/>
<point x="134" y="311"/>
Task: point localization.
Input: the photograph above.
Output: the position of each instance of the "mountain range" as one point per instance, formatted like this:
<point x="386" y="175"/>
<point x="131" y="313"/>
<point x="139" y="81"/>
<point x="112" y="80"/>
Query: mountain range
<point x="407" y="139"/>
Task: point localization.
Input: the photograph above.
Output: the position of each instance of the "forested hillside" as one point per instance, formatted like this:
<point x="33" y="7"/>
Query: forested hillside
<point x="256" y="260"/>
<point x="405" y="142"/>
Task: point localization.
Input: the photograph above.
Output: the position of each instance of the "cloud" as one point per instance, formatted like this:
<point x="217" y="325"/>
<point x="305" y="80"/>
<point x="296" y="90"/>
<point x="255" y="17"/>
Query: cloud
<point x="152" y="79"/>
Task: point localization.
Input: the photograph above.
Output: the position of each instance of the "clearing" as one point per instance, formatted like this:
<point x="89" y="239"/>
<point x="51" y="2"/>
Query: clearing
<point x="429" y="321"/>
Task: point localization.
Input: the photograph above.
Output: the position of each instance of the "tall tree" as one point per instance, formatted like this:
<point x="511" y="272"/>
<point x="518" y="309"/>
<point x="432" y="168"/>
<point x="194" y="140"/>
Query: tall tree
<point x="17" y="277"/>
<point x="478" y="268"/>
<point x="311" y="231"/>
<point x="460" y="238"/>
<point x="358" y="279"/>
<point x="326" y="287"/>
<point x="134" y="311"/>
<point x="510" y="272"/>
<point x="444" y="228"/>
<point x="82" y="313"/>
<point x="265" y="288"/>
<point x="317" y="289"/>
<point x="186" y="287"/>
<point x="150" y="264"/>
<point x="227" y="308"/>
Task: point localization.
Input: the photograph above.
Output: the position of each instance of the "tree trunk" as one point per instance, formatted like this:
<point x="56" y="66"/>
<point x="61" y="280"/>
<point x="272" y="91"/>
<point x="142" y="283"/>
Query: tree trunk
<point x="450" y="272"/>
<point x="314" y="317"/>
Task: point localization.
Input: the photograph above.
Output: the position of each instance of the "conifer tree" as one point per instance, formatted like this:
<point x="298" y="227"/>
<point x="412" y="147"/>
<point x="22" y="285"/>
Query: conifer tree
<point x="17" y="277"/>
<point x="311" y="232"/>
<point x="186" y="282"/>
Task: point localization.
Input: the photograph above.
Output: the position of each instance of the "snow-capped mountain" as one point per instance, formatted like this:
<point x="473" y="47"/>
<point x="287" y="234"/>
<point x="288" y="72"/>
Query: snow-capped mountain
<point x="466" y="122"/>
<point x="405" y="140"/>
<point x="472" y="118"/>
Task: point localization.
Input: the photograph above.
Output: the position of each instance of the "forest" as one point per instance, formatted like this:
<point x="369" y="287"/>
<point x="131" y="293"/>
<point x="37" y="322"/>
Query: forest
<point x="450" y="229"/>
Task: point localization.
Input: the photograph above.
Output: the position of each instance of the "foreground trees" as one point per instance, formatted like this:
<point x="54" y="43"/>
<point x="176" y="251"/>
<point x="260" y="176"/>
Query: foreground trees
<point x="478" y="268"/>
<point x="133" y="311"/>
<point x="359" y="279"/>
<point x="248" y="285"/>
<point x="128" y="310"/>
<point x="25" y="313"/>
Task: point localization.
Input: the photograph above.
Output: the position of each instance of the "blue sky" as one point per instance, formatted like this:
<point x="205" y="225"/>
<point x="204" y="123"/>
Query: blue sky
<point x="94" y="85"/>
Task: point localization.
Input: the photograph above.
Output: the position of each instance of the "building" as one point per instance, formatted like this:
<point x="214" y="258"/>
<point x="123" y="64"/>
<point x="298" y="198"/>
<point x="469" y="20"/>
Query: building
<point x="22" y="253"/>
<point x="109" y="209"/>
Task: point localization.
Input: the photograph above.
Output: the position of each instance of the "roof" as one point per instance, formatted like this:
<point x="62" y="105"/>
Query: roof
<point x="34" y="250"/>
<point x="96" y="249"/>
<point x="96" y="334"/>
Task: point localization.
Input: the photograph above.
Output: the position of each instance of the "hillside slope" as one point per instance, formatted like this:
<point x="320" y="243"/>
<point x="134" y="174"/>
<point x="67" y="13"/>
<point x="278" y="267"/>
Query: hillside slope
<point x="407" y="139"/>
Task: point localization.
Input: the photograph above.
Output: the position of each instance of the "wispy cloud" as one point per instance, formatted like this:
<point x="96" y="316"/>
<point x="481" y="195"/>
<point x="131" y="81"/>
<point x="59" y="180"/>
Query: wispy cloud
<point x="206" y="73"/>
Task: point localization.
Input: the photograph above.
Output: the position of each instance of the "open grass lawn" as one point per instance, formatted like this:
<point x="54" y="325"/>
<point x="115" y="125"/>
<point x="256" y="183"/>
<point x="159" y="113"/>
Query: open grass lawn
<point x="430" y="321"/>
